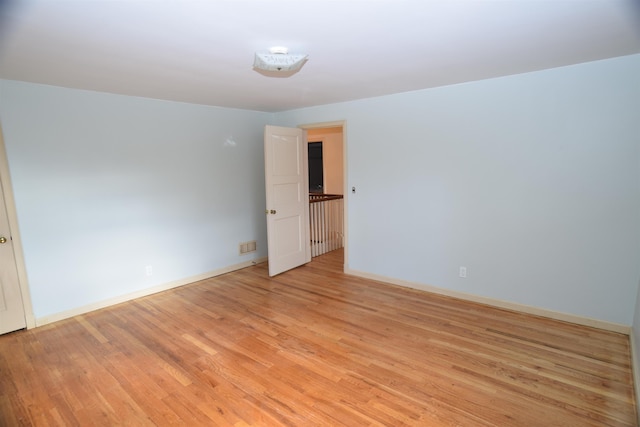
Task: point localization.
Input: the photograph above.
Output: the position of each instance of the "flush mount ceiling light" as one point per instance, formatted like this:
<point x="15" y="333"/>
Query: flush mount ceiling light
<point x="279" y="60"/>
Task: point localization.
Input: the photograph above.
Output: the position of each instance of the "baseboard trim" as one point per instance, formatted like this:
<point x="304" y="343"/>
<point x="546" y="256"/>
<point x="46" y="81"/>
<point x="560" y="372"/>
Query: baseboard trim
<point x="45" y="320"/>
<point x="585" y="321"/>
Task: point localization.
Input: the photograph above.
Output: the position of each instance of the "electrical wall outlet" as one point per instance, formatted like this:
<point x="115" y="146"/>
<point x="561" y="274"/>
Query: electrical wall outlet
<point x="149" y="270"/>
<point x="463" y="272"/>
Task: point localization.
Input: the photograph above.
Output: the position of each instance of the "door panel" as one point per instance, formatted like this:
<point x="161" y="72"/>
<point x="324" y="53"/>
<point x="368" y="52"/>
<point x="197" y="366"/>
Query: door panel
<point x="287" y="195"/>
<point x="11" y="306"/>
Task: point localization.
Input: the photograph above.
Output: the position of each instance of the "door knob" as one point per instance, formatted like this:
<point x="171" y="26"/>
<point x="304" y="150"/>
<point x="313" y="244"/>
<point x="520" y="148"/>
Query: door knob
<point x="3" y="240"/>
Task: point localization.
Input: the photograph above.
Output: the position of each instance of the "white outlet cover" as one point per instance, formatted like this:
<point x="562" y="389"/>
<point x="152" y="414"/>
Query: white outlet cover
<point x="463" y="272"/>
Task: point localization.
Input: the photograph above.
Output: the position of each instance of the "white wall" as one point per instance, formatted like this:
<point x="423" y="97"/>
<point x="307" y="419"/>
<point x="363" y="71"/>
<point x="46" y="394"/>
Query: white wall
<point x="106" y="185"/>
<point x="530" y="181"/>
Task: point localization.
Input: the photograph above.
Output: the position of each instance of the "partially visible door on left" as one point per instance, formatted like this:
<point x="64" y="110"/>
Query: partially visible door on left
<point x="11" y="306"/>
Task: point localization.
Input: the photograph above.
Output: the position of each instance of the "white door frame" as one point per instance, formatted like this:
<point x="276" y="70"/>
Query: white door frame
<point x="16" y="241"/>
<point x="345" y="189"/>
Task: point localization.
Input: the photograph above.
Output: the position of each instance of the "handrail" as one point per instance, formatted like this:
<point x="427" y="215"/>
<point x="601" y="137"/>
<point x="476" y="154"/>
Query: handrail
<point x="315" y="198"/>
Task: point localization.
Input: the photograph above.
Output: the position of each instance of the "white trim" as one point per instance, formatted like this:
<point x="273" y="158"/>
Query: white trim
<point x="321" y="125"/>
<point x="16" y="241"/>
<point x="635" y="369"/>
<point x="580" y="320"/>
<point x="45" y="320"/>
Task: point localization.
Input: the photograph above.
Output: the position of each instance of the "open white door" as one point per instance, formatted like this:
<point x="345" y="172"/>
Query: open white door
<point x="11" y="307"/>
<point x="287" y="188"/>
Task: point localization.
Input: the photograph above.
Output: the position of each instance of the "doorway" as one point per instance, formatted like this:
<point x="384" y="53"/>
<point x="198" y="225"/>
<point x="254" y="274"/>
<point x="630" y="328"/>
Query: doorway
<point x="327" y="152"/>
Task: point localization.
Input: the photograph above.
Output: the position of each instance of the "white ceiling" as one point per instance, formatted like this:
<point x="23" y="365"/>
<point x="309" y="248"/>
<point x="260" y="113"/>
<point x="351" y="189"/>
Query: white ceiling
<point x="202" y="51"/>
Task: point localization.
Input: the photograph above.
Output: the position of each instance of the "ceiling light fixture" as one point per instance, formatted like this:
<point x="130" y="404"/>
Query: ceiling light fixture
<point x="278" y="59"/>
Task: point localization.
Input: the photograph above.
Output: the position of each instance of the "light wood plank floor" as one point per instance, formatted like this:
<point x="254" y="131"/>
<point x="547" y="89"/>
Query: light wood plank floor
<point x="312" y="347"/>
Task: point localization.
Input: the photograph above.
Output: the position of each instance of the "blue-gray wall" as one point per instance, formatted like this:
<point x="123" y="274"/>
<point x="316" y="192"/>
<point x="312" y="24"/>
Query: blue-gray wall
<point x="530" y="181"/>
<point x="106" y="185"/>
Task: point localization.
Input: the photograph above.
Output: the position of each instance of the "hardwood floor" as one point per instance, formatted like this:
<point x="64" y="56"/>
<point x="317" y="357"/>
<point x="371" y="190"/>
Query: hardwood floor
<point x="312" y="347"/>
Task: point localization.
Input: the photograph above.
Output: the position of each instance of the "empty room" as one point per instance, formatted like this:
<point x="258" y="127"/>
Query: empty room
<point x="319" y="213"/>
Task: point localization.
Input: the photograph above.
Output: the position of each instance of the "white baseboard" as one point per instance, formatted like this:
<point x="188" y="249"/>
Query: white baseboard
<point x="600" y="324"/>
<point x="45" y="320"/>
